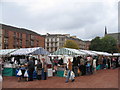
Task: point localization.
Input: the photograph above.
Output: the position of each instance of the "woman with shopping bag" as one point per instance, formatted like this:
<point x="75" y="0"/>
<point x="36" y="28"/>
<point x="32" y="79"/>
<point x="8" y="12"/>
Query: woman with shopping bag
<point x="26" y="75"/>
<point x="21" y="72"/>
<point x="70" y="73"/>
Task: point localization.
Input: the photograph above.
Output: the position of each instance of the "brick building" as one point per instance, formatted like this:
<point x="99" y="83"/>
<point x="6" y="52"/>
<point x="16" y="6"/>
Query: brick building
<point x="13" y="37"/>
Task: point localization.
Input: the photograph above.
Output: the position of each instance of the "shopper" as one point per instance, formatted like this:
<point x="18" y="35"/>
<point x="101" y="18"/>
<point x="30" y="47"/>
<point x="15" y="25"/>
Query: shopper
<point x="94" y="64"/>
<point x="1" y="66"/>
<point x="75" y="66"/>
<point x="44" y="69"/>
<point x="108" y="62"/>
<point x="39" y="70"/>
<point x="31" y="67"/>
<point x="70" y="74"/>
<point x="82" y="66"/>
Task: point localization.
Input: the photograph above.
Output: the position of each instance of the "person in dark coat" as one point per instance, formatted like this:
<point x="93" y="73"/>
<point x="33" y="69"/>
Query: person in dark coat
<point x="44" y="69"/>
<point x="31" y="67"/>
<point x="39" y="70"/>
<point x="82" y="66"/>
<point x="75" y="66"/>
<point x="116" y="61"/>
<point x="104" y="62"/>
<point x="108" y="62"/>
<point x="60" y="61"/>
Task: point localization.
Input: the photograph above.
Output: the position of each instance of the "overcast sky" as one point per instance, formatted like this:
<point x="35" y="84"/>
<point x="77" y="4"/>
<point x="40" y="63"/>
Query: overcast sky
<point x="85" y="19"/>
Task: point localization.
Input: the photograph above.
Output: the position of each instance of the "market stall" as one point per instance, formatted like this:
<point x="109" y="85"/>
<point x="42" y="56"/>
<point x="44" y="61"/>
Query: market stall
<point x="5" y="52"/>
<point x="102" y="53"/>
<point x="9" y="69"/>
<point x="30" y="51"/>
<point x="21" y="55"/>
<point x="68" y="51"/>
<point x="116" y="54"/>
<point x="65" y="53"/>
<point x="87" y="52"/>
<point x="37" y="52"/>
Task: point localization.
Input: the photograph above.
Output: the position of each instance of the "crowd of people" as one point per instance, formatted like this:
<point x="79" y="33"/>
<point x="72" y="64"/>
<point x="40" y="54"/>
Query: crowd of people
<point x="80" y="65"/>
<point x="87" y="65"/>
<point x="27" y="68"/>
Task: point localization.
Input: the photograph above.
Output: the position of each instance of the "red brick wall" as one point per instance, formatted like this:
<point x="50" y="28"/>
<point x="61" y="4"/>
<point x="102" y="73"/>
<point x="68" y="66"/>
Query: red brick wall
<point x="41" y="41"/>
<point x="11" y="40"/>
<point x="23" y="40"/>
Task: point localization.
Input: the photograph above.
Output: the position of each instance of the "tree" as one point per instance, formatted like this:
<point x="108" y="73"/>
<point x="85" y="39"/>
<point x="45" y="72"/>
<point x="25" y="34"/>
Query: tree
<point x="96" y="44"/>
<point x="71" y="44"/>
<point x="109" y="44"/>
<point x="105" y="44"/>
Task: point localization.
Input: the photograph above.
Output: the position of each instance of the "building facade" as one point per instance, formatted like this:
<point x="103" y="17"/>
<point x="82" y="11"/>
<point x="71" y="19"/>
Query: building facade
<point x="87" y="45"/>
<point x="55" y="41"/>
<point x="13" y="37"/>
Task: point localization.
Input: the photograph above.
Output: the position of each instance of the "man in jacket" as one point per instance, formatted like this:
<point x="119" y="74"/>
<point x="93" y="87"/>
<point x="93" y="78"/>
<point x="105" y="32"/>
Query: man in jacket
<point x="31" y="67"/>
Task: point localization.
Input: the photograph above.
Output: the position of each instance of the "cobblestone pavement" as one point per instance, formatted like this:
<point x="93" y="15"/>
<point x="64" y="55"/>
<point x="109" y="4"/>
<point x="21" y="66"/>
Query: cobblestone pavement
<point x="102" y="79"/>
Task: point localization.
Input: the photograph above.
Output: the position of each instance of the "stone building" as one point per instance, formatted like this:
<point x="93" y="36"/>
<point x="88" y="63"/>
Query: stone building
<point x="55" y="41"/>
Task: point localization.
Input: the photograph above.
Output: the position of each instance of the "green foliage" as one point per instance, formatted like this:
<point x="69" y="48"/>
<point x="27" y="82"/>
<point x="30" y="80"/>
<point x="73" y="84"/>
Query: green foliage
<point x="96" y="44"/>
<point x="105" y="44"/>
<point x="71" y="44"/>
<point x="109" y="44"/>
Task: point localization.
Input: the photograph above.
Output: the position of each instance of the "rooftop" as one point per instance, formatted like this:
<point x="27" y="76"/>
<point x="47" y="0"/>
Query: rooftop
<point x="21" y="30"/>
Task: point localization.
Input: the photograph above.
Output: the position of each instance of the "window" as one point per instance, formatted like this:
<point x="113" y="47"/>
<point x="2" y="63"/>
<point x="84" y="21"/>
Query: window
<point x="52" y="44"/>
<point x="51" y="39"/>
<point x="47" y="49"/>
<point x="5" y="40"/>
<point x="55" y="39"/>
<point x="5" y="46"/>
<point x="51" y="49"/>
<point x="32" y="43"/>
<point x="37" y="43"/>
<point x="20" y="42"/>
<point x="55" y="48"/>
<point x="14" y="34"/>
<point x="27" y="36"/>
<point x="56" y="44"/>
<point x="47" y="44"/>
<point x="32" y="37"/>
<point x="21" y="35"/>
<point x="62" y="39"/>
<point x="6" y="33"/>
<point x="17" y="42"/>
<point x="27" y="43"/>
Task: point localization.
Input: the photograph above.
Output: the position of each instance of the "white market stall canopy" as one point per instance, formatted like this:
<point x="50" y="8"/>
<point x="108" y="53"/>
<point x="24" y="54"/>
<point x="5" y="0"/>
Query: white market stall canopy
<point x="68" y="51"/>
<point x="102" y="53"/>
<point x="30" y="51"/>
<point x="6" y="51"/>
<point x="88" y="52"/>
<point x="116" y="54"/>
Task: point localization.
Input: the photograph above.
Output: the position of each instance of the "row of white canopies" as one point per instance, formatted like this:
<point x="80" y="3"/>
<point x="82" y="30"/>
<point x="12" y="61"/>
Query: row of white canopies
<point x="61" y="51"/>
<point x="69" y="51"/>
<point x="24" y="51"/>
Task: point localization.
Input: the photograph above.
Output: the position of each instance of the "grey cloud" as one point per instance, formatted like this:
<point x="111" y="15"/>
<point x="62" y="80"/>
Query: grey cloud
<point x="86" y="20"/>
